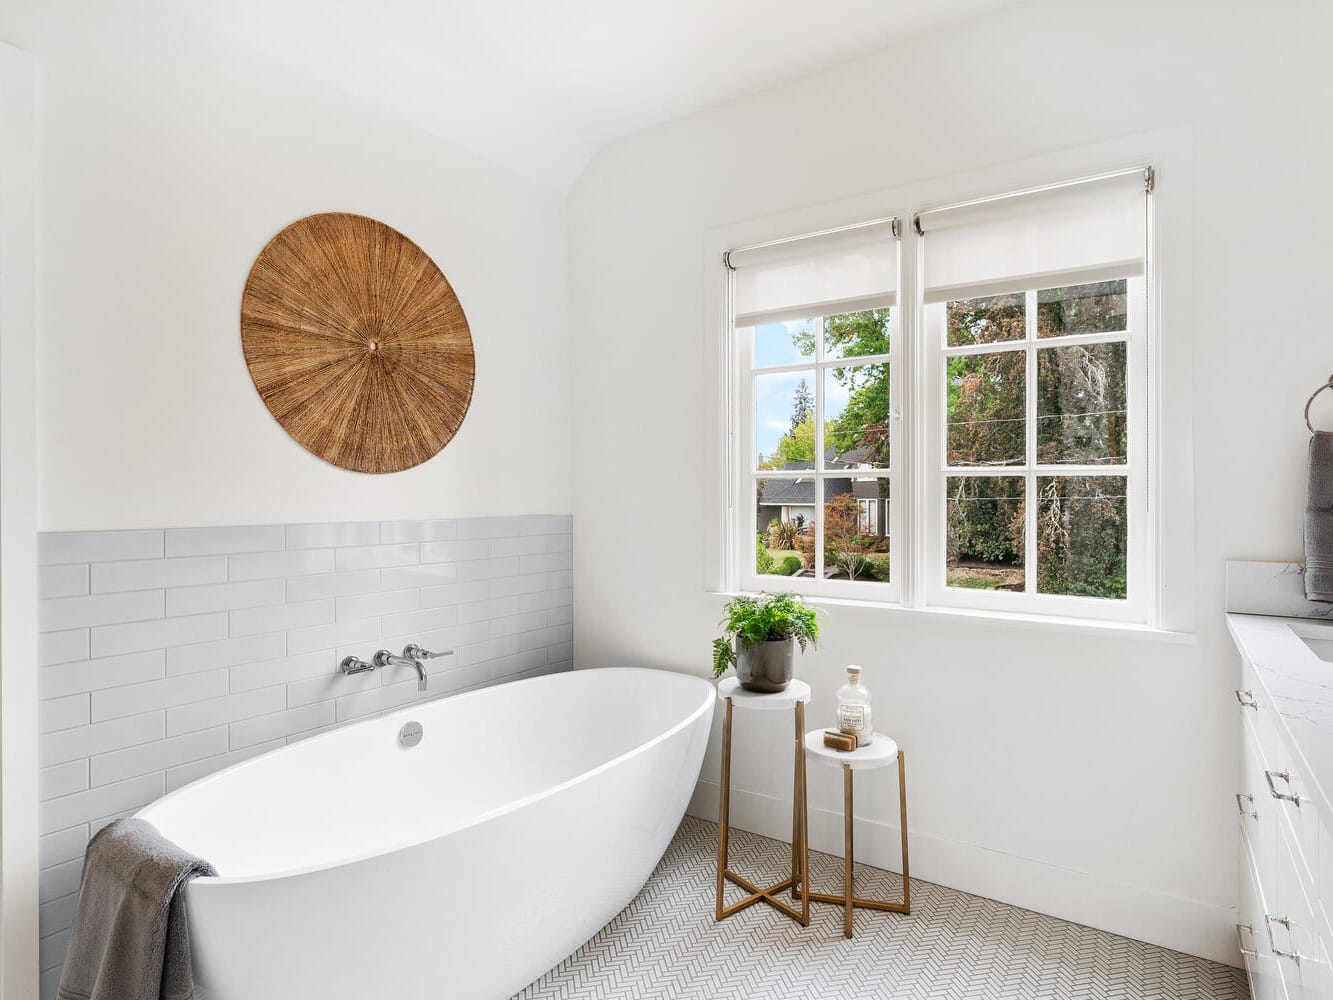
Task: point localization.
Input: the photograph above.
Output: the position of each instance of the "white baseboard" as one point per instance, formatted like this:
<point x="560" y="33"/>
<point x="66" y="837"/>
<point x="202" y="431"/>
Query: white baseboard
<point x="1133" y="911"/>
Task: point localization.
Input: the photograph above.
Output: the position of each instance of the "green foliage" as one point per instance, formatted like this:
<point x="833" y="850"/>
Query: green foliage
<point x="763" y="618"/>
<point x="782" y="534"/>
<point x="790" y="566"/>
<point x="724" y="655"/>
<point x="851" y="335"/>
<point x="763" y="559"/>
<point x="1082" y="415"/>
<point x="796" y="446"/>
<point x="865" y="420"/>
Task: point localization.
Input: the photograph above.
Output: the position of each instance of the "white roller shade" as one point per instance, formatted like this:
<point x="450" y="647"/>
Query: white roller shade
<point x="823" y="274"/>
<point x="1090" y="230"/>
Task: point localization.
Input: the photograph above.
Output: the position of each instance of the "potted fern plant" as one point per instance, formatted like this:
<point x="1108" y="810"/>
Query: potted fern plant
<point x="759" y="636"/>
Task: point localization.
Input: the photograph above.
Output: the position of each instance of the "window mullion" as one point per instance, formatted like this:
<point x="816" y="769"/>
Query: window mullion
<point x="1030" y="438"/>
<point x="819" y="448"/>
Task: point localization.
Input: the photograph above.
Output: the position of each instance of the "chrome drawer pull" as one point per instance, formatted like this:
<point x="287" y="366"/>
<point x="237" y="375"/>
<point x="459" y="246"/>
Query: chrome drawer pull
<point x="1292" y="797"/>
<point x="1241" y="799"/>
<point x="1246" y="699"/>
<point x="1240" y="941"/>
<point x="1270" y="920"/>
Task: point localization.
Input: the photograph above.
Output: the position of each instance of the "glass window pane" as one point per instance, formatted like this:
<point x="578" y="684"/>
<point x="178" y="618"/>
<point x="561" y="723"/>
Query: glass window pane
<point x="987" y="320"/>
<point x="784" y="420"/>
<point x="1082" y="536"/>
<point x="858" y="334"/>
<point x="787" y="343"/>
<point x="856" y="416"/>
<point x="1099" y="307"/>
<point x="1081" y="413"/>
<point x="986" y="399"/>
<point x="984" y="517"/>
<point x="856" y="529"/>
<point x="784" y="517"/>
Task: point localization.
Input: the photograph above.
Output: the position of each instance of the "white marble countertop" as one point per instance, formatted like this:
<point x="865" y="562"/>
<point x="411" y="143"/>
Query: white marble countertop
<point x="1298" y="684"/>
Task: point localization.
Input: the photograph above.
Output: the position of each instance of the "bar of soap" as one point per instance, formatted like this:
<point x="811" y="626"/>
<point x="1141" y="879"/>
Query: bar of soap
<point x="835" y="740"/>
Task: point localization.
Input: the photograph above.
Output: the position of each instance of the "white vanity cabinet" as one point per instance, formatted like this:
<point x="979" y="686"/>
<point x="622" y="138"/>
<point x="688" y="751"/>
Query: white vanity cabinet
<point x="1285" y="848"/>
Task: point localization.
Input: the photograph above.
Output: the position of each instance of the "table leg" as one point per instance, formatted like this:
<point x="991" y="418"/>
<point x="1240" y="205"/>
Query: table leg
<point x="724" y="809"/>
<point x="800" y="823"/>
<point x="796" y="805"/>
<point x="847" y="847"/>
<point x="902" y="822"/>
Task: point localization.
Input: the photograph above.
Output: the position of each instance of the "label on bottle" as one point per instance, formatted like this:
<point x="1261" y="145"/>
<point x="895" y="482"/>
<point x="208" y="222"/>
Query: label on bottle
<point x="852" y="719"/>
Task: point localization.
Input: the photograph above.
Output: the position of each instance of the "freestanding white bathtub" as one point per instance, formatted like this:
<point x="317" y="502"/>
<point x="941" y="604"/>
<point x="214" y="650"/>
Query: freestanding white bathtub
<point x="352" y="866"/>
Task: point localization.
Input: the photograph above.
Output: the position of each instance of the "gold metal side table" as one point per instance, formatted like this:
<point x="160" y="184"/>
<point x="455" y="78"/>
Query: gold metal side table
<point x="794" y="697"/>
<point x="881" y="752"/>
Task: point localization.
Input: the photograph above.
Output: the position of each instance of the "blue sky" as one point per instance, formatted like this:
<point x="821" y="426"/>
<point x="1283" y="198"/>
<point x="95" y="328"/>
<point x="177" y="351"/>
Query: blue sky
<point x="774" y="394"/>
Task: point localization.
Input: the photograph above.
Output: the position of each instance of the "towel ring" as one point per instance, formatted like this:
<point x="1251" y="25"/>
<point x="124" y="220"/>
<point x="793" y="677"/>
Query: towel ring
<point x="1310" y="401"/>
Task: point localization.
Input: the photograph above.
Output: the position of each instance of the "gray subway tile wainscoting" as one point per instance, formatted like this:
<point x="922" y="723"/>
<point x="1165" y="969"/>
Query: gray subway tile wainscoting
<point x="168" y="654"/>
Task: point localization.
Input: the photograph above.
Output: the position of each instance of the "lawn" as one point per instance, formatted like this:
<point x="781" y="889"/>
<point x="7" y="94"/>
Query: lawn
<point x="985" y="576"/>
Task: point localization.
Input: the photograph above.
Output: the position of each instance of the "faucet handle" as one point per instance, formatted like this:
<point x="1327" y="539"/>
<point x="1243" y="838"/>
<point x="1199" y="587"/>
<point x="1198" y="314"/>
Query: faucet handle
<point x="414" y="652"/>
<point x="355" y="665"/>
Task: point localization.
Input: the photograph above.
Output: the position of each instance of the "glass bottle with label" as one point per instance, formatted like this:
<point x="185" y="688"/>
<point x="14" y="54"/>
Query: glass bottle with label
<point x="854" y="709"/>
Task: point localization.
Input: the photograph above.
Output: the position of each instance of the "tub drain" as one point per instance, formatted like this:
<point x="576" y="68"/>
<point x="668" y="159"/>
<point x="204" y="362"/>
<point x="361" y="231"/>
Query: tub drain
<point x="410" y="734"/>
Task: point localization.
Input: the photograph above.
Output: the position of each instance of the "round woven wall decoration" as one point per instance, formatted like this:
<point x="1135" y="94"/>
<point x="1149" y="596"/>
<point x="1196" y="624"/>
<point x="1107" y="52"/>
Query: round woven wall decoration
<point x="357" y="343"/>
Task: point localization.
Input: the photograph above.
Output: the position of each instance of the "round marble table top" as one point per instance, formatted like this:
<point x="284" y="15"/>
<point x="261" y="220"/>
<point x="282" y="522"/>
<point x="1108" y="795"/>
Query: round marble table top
<point x="881" y="752"/>
<point x="730" y="687"/>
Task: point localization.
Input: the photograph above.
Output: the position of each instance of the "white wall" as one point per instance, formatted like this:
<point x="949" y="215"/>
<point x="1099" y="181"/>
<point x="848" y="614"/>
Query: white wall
<point x="169" y="156"/>
<point x="1082" y="775"/>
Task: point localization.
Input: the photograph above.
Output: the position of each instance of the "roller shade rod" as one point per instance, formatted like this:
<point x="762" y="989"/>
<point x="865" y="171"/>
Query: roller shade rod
<point x="922" y="219"/>
<point x="776" y="249"/>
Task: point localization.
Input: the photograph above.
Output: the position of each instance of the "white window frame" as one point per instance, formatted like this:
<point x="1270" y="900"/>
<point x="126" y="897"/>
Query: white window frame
<point x="868" y="520"/>
<point x="747" y="476"/>
<point x="937" y="471"/>
<point x="1166" y="602"/>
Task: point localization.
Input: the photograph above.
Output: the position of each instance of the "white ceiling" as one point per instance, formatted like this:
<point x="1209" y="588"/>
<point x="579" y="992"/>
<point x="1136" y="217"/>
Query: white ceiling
<point x="540" y="85"/>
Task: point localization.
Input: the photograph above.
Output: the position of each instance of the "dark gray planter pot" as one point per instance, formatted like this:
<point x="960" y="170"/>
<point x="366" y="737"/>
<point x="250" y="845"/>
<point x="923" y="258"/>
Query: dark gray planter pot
<point x="767" y="667"/>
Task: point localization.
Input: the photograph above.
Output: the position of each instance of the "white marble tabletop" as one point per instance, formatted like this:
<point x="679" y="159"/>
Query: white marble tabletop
<point x="1298" y="684"/>
<point x="880" y="752"/>
<point x="731" y="688"/>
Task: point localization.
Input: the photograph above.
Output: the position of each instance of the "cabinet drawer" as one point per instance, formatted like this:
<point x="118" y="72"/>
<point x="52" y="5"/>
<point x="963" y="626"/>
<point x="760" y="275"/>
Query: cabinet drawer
<point x="1255" y="708"/>
<point x="1251" y="932"/>
<point x="1290" y="929"/>
<point x="1280" y="782"/>
<point x="1258" y="812"/>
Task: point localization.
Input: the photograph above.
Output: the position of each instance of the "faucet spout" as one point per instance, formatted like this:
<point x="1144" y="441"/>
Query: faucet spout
<point x="384" y="658"/>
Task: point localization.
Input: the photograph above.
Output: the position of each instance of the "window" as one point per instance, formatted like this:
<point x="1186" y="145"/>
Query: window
<point x="1028" y="340"/>
<point x="816" y="326"/>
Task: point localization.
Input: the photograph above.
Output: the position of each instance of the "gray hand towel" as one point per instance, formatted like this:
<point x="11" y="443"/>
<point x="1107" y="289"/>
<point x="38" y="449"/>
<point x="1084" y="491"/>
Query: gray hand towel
<point x="1319" y="519"/>
<point x="129" y="940"/>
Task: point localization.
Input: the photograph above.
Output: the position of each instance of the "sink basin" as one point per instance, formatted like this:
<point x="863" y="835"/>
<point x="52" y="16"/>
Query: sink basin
<point x="1318" y="637"/>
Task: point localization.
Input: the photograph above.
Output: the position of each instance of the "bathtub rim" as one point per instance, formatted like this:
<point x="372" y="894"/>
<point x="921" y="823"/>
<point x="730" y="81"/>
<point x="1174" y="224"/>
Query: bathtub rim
<point x="705" y="706"/>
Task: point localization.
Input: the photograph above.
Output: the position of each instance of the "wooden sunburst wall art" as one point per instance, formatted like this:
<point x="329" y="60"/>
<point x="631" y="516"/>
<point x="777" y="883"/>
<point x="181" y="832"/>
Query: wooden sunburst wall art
<point x="357" y="343"/>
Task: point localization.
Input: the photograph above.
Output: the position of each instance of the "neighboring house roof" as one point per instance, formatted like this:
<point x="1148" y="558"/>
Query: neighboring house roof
<point x="857" y="456"/>
<point x="800" y="492"/>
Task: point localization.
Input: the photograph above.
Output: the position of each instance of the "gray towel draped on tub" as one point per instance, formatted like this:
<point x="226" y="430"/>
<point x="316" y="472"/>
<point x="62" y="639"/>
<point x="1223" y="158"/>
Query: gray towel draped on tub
<point x="129" y="940"/>
<point x="1319" y="519"/>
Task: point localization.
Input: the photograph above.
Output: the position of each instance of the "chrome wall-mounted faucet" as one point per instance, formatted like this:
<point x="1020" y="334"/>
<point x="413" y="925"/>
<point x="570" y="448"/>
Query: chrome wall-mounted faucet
<point x="412" y="657"/>
<point x="383" y="658"/>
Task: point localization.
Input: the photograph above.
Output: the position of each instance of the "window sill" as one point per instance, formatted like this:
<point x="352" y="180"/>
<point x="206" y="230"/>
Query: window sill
<point x="1042" y="623"/>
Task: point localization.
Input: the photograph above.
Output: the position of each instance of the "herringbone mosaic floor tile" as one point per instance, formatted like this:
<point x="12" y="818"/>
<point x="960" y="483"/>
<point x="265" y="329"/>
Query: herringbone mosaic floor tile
<point x="953" y="946"/>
